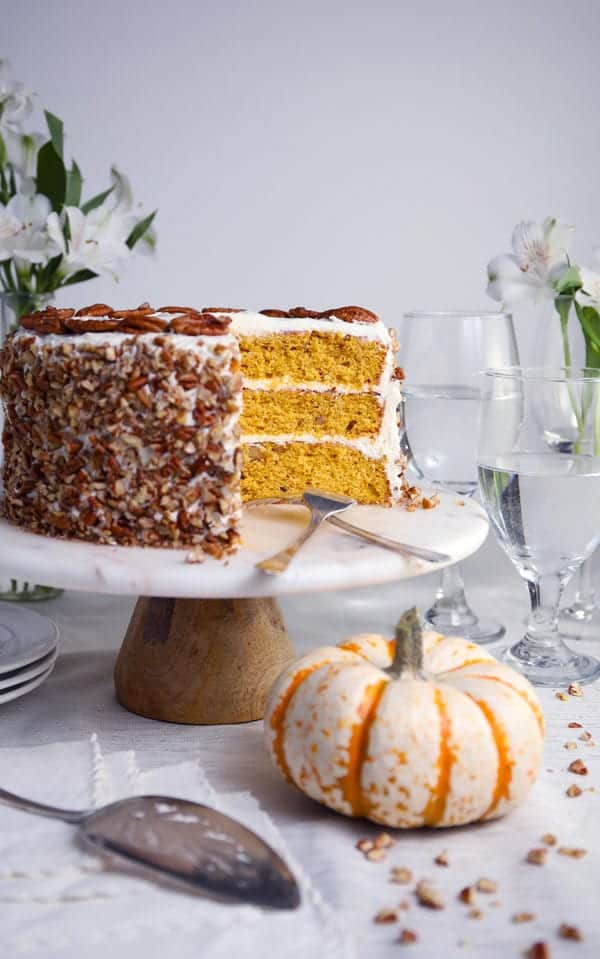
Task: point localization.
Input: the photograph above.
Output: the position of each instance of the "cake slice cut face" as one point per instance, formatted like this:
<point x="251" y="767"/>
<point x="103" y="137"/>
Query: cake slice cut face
<point x="320" y="404"/>
<point x="122" y="428"/>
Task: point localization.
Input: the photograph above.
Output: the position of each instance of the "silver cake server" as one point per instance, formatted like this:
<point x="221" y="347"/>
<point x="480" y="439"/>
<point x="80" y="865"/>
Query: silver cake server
<point x="197" y="846"/>
<point x="418" y="552"/>
<point x="322" y="506"/>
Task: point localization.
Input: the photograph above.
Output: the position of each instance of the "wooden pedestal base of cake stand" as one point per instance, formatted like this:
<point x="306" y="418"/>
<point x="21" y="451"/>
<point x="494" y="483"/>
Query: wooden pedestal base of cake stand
<point x="202" y="660"/>
<point x="210" y="654"/>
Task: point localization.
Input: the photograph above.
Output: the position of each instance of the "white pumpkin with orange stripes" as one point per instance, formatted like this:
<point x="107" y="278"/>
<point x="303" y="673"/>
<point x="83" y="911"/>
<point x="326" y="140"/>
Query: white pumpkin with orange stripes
<point x="420" y="730"/>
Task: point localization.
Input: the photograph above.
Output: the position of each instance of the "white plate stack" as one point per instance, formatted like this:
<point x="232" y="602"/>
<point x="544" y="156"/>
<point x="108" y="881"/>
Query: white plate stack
<point x="28" y="650"/>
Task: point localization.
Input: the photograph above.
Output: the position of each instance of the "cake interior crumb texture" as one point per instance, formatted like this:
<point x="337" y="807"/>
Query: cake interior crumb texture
<point x="319" y="406"/>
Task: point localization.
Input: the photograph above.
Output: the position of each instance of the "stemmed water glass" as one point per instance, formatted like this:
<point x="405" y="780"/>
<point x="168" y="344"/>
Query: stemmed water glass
<point x="443" y="355"/>
<point x="539" y="476"/>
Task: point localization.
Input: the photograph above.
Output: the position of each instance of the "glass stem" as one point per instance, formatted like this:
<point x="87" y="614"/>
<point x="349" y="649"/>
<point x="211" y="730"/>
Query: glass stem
<point x="544" y="594"/>
<point x="451" y="603"/>
<point x="586" y="595"/>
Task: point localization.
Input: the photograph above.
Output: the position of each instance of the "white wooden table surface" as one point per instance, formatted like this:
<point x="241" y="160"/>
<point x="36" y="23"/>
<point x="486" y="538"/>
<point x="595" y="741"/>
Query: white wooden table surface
<point x="78" y="700"/>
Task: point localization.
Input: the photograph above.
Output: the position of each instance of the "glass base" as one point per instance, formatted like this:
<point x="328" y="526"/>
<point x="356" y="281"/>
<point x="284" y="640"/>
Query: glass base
<point x="553" y="665"/>
<point x="471" y="628"/>
<point x="20" y="592"/>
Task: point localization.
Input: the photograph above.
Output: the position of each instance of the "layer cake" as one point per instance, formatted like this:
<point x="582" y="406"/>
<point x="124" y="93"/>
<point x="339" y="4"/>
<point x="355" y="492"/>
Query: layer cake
<point x="121" y="427"/>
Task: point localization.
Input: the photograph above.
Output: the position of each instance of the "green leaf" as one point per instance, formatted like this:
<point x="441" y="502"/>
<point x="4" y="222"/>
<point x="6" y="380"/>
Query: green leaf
<point x="51" y="176"/>
<point x="592" y="357"/>
<point x="590" y="324"/>
<point x="74" y="184"/>
<point x="569" y="281"/>
<point x="139" y="230"/>
<point x="46" y="275"/>
<point x="55" y="129"/>
<point x="96" y="201"/>
<point x="2" y="152"/>
<point x="79" y="277"/>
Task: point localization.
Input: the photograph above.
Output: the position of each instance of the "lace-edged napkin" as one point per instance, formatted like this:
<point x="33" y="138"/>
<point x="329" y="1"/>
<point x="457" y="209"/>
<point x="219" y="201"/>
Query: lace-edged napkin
<point x="57" y="900"/>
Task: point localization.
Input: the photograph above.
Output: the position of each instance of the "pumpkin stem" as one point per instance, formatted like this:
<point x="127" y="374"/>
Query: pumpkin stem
<point x="408" y="656"/>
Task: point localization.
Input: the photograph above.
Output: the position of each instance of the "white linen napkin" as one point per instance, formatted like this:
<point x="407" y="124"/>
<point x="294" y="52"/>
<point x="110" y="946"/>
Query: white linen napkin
<point x="57" y="900"/>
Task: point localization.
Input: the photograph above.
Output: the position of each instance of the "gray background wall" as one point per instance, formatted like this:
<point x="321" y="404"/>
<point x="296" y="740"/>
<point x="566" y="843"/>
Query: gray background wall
<point x="323" y="152"/>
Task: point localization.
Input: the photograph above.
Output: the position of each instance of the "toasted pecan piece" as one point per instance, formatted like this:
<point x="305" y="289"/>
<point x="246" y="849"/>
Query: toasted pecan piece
<point x="354" y="314"/>
<point x="428" y="896"/>
<point x="143" y="324"/>
<point x="138" y="312"/>
<point x="178" y="309"/>
<point x="301" y="312"/>
<point x="578" y="767"/>
<point x="43" y="321"/>
<point x="223" y="309"/>
<point x="205" y="324"/>
<point x="407" y="937"/>
<point x="276" y="313"/>
<point x="375" y="854"/>
<point x="95" y="309"/>
<point x="107" y="324"/>
<point x="567" y="931"/>
<point x="538" y="950"/>
<point x="385" y="916"/>
<point x="538" y="855"/>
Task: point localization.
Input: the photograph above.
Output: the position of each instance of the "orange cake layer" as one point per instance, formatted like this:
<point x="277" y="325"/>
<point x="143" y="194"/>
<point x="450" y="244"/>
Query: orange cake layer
<point x="331" y="359"/>
<point x="287" y="469"/>
<point x="273" y="412"/>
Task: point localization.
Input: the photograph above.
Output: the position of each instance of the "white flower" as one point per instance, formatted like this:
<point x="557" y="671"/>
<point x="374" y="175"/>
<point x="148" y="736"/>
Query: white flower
<point x="23" y="233"/>
<point x="121" y="202"/>
<point x="589" y="294"/>
<point x="22" y="150"/>
<point x="540" y="255"/>
<point x="96" y="240"/>
<point x="16" y="101"/>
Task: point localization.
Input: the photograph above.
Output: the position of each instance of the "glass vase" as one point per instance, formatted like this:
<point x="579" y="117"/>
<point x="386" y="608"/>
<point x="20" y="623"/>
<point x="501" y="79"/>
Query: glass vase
<point x="583" y="611"/>
<point x="12" y="307"/>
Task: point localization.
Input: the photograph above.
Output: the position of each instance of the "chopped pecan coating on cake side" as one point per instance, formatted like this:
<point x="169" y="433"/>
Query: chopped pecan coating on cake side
<point x="129" y="441"/>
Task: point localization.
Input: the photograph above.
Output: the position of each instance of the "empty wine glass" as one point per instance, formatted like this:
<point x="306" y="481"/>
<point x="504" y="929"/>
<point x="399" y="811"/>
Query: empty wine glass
<point x="444" y="354"/>
<point x="539" y="476"/>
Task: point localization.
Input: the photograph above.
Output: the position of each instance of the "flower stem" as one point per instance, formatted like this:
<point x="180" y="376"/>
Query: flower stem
<point x="563" y="308"/>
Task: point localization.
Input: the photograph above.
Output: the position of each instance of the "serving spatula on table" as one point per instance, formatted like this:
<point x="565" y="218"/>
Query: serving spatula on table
<point x="326" y="506"/>
<point x="197" y="846"/>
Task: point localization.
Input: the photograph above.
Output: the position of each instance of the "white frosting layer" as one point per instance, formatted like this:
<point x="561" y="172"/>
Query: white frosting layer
<point x="256" y="324"/>
<point x="271" y="386"/>
<point x="193" y="344"/>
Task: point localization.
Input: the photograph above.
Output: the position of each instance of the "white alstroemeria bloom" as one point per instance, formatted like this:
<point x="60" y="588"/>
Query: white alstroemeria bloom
<point x="589" y="294"/>
<point x="16" y="101"/>
<point x="22" y="150"/>
<point x="540" y="255"/>
<point x="23" y="233"/>
<point x="96" y="240"/>
<point x="121" y="202"/>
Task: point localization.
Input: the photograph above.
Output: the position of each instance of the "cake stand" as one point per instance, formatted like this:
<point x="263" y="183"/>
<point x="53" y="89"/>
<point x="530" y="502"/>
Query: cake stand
<point x="206" y="641"/>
